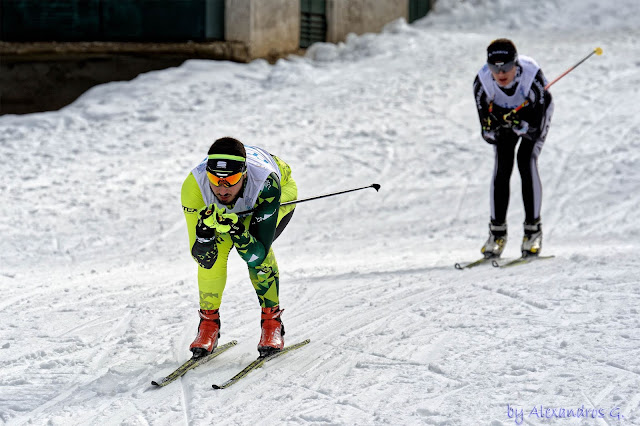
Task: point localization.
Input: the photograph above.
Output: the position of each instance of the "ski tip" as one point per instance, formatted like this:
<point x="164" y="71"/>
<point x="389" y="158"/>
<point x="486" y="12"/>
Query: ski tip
<point x="222" y="386"/>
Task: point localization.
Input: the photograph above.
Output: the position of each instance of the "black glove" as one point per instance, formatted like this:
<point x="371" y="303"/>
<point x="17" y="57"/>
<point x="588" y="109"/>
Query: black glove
<point x="490" y="123"/>
<point x="492" y="126"/>
<point x="205" y="248"/>
<point x="202" y="230"/>
<point x="492" y="135"/>
<point x="513" y="121"/>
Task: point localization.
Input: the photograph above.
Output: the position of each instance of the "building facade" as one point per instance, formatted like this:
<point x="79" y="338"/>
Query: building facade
<point x="262" y="28"/>
<point x="52" y="51"/>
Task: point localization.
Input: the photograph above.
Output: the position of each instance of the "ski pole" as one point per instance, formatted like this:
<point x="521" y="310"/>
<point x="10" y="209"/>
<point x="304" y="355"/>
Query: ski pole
<point x="596" y="51"/>
<point x="373" y="185"/>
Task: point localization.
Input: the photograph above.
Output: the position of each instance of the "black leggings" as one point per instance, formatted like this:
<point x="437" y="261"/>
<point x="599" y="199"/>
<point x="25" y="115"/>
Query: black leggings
<point x="283" y="223"/>
<point x="528" y="152"/>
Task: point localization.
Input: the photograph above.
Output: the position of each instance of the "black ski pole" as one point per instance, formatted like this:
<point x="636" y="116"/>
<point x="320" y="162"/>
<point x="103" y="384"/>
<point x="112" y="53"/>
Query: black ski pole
<point x="373" y="185"/>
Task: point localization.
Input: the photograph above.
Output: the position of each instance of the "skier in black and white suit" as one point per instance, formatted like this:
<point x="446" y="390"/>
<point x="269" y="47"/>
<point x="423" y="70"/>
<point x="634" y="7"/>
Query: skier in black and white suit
<point x="506" y="82"/>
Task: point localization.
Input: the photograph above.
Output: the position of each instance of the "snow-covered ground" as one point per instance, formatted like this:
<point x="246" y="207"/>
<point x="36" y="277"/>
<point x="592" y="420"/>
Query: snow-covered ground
<point x="99" y="293"/>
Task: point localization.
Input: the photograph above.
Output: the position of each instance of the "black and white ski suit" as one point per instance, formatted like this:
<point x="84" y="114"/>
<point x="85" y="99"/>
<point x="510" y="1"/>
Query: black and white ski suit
<point x="493" y="102"/>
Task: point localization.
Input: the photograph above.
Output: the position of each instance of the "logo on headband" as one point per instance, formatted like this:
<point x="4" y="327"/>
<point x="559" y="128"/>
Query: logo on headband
<point x="221" y="165"/>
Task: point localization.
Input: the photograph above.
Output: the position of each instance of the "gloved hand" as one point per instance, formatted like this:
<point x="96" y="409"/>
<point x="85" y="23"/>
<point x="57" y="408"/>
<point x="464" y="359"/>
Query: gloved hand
<point x="491" y="123"/>
<point x="520" y="127"/>
<point x="513" y="121"/>
<point x="490" y="136"/>
<point x="511" y="118"/>
<point x="236" y="227"/>
<point x="214" y="219"/>
<point x="204" y="228"/>
<point x="489" y="129"/>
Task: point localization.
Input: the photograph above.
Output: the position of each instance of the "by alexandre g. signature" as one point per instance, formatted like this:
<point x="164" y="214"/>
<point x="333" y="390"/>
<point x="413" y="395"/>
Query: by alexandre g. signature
<point x="542" y="412"/>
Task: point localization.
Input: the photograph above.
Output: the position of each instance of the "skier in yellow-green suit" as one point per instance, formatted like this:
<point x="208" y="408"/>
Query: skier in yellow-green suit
<point x="235" y="178"/>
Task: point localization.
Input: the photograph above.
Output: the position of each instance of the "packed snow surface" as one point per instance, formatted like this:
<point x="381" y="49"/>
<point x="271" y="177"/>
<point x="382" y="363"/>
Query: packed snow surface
<point x="99" y="292"/>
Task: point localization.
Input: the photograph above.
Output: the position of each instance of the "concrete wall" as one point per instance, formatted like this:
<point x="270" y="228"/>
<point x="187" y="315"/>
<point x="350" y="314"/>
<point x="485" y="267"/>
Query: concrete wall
<point x="361" y="16"/>
<point x="267" y="27"/>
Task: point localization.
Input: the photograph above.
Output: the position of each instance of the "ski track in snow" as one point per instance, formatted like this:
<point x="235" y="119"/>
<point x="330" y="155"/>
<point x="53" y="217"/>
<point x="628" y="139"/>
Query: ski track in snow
<point x="100" y="294"/>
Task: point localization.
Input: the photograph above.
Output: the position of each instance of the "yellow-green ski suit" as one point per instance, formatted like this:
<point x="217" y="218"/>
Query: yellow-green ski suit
<point x="268" y="183"/>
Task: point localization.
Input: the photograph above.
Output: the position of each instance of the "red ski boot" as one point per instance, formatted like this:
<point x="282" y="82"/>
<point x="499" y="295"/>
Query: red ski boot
<point x="208" y="333"/>
<point x="271" y="339"/>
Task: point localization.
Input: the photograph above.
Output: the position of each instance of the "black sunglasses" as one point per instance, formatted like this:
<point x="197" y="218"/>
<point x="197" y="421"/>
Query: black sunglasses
<point x="504" y="67"/>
